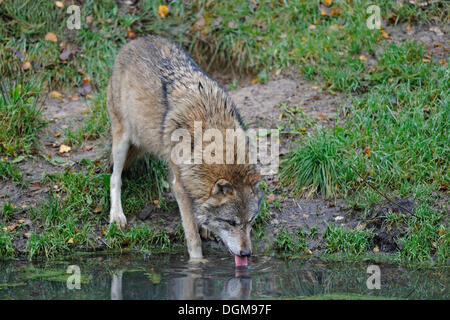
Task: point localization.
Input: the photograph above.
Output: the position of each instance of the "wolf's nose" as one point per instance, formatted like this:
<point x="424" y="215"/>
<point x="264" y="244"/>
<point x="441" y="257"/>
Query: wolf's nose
<point x="245" y="253"/>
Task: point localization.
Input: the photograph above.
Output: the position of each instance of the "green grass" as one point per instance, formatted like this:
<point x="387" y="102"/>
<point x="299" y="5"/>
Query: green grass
<point x="393" y="130"/>
<point x="340" y="239"/>
<point x="10" y="171"/>
<point x="6" y="242"/>
<point x="19" y="119"/>
<point x="79" y="205"/>
<point x="287" y="243"/>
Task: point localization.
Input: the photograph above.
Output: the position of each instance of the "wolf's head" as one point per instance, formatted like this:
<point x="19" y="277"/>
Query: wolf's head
<point x="230" y="210"/>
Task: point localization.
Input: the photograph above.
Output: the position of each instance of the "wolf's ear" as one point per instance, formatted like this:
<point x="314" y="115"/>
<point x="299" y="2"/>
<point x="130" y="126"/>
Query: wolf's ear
<point x="222" y="188"/>
<point x="253" y="178"/>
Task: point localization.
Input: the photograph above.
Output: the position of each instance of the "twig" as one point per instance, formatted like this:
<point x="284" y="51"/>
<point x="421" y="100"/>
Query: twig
<point x="381" y="193"/>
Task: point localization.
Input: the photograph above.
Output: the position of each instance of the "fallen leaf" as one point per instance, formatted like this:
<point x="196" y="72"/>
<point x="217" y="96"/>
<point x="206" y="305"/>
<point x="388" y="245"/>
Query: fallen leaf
<point x="163" y="11"/>
<point x="426" y="60"/>
<point x="56" y="95"/>
<point x="335" y="12"/>
<point x="441" y="232"/>
<point x="327" y="3"/>
<point x="338" y="218"/>
<point x="35" y="184"/>
<point x="50" y="36"/>
<point x="97" y="209"/>
<point x="367" y="151"/>
<point x="12" y="227"/>
<point x="27" y="234"/>
<point x="362" y="58"/>
<point x="70" y="240"/>
<point x="59" y="4"/>
<point x="58" y="134"/>
<point x="131" y="34"/>
<point x="312" y="27"/>
<point x="156" y="202"/>
<point x="199" y="24"/>
<point x="254" y="81"/>
<point x="384" y="34"/>
<point x="437" y="31"/>
<point x="322" y="116"/>
<point x="270" y="198"/>
<point x="26" y="65"/>
<point x="63" y="149"/>
<point x="104" y="230"/>
<point x="88" y="148"/>
<point x="376" y="249"/>
<point x="21" y="221"/>
<point x="334" y="27"/>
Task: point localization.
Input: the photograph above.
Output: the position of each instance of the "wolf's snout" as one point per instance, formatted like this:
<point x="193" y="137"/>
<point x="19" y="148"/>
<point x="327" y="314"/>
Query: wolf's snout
<point x="245" y="253"/>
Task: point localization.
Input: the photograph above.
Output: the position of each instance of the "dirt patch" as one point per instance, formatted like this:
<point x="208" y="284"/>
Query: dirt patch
<point x="260" y="104"/>
<point x="61" y="115"/>
<point x="436" y="38"/>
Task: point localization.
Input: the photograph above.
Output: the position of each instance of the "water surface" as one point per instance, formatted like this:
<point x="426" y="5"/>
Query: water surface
<point x="171" y="276"/>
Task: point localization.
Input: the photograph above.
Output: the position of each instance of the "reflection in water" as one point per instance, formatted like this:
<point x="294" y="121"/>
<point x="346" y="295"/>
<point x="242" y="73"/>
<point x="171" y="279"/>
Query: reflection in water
<point x="130" y="277"/>
<point x="193" y="286"/>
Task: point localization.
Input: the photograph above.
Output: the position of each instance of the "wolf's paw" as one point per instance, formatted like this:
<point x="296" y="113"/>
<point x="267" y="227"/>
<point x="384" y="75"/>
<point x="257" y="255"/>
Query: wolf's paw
<point x="119" y="218"/>
<point x="196" y="261"/>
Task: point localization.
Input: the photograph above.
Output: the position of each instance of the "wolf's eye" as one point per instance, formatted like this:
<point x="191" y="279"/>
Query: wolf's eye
<point x="230" y="222"/>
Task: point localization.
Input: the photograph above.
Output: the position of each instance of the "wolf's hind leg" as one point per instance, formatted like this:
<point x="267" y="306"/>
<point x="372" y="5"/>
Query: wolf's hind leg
<point x="120" y="148"/>
<point x="194" y="243"/>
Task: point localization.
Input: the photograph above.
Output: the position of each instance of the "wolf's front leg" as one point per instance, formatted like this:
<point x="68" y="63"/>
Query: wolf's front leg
<point x="193" y="240"/>
<point x="119" y="153"/>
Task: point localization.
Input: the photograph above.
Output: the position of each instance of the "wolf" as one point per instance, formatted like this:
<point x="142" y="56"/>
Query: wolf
<point x="156" y="89"/>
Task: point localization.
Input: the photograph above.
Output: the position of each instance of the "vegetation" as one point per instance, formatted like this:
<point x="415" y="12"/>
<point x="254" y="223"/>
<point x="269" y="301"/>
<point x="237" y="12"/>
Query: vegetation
<point x="391" y="133"/>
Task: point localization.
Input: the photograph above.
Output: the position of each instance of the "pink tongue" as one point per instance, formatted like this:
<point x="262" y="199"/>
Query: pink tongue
<point x="240" y="261"/>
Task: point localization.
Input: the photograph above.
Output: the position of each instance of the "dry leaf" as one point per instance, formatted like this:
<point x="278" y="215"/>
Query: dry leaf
<point x="21" y="220"/>
<point x="88" y="148"/>
<point x="384" y="34"/>
<point x="26" y="65"/>
<point x="58" y="134"/>
<point x="437" y="31"/>
<point x="63" y="148"/>
<point x="338" y="218"/>
<point x="104" y="230"/>
<point x="199" y="24"/>
<point x="426" y="60"/>
<point x="50" y="36"/>
<point x="312" y="27"/>
<point x="97" y="209"/>
<point x="163" y="11"/>
<point x="131" y="34"/>
<point x="70" y="240"/>
<point x="270" y="198"/>
<point x="59" y="4"/>
<point x="367" y="151"/>
<point x="12" y="227"/>
<point x="376" y="249"/>
<point x="35" y="184"/>
<point x="56" y="95"/>
<point x="362" y="58"/>
<point x="327" y="3"/>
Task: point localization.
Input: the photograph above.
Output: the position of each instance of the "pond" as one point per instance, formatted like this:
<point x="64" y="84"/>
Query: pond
<point x="171" y="276"/>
